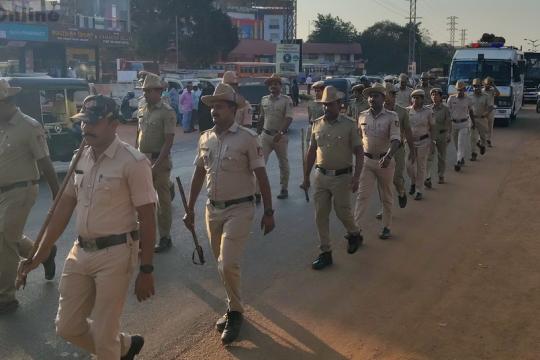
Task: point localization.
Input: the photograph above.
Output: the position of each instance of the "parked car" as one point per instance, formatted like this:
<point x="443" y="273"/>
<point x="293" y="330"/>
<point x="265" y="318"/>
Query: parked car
<point x="343" y="85"/>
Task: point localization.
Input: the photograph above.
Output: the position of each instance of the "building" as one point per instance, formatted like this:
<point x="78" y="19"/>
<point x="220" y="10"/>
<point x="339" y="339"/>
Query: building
<point x="63" y="37"/>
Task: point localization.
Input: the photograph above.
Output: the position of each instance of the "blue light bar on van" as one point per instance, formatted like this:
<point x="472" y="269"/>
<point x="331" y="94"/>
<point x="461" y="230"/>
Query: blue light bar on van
<point x="478" y="45"/>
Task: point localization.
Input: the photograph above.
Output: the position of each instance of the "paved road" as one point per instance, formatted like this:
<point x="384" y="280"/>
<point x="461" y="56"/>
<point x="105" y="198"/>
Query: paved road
<point x="409" y="298"/>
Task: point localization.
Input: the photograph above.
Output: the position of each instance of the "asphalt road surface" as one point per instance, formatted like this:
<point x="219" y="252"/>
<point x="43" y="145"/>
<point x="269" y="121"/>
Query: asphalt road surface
<point x="459" y="280"/>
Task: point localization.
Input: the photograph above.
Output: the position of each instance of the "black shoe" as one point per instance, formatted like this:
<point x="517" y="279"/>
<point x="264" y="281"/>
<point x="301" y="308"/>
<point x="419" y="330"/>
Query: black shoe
<point x="283" y="194"/>
<point x="258" y="198"/>
<point x="474" y="156"/>
<point x="418" y="196"/>
<point x="379" y="216"/>
<point x="385" y="234"/>
<point x="137" y="342"/>
<point x="165" y="243"/>
<point x="324" y="260"/>
<point x="412" y="190"/>
<point x="441" y="180"/>
<point x="482" y="150"/>
<point x="428" y="184"/>
<point x="232" y="327"/>
<point x="8" y="307"/>
<point x="462" y="162"/>
<point x="220" y="324"/>
<point x="402" y="201"/>
<point x="489" y="143"/>
<point x="457" y="167"/>
<point x="355" y="240"/>
<point x="49" y="265"/>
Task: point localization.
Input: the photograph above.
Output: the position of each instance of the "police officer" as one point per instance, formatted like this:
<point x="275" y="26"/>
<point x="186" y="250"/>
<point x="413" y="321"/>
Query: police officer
<point x="228" y="156"/>
<point x="334" y="141"/>
<point x="157" y="122"/>
<point x="23" y="155"/>
<point x="443" y="126"/>
<point x="380" y="136"/>
<point x="113" y="198"/>
<point x="403" y="94"/>
<point x="359" y="103"/>
<point x="315" y="109"/>
<point x="423" y="131"/>
<point x="491" y="90"/>
<point x="276" y="117"/>
<point x="388" y="80"/>
<point x="244" y="116"/>
<point x="425" y="85"/>
<point x="460" y="107"/>
<point x="481" y="110"/>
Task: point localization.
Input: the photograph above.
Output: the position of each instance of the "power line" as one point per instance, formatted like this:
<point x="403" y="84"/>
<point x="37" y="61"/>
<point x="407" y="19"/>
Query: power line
<point x="463" y="37"/>
<point x="378" y="2"/>
<point x="452" y="23"/>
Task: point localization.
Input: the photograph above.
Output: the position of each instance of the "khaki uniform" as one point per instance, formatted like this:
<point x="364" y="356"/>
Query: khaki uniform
<point x="480" y="105"/>
<point x="274" y="112"/>
<point x="154" y="123"/>
<point x="427" y="91"/>
<point x="94" y="283"/>
<point x="336" y="143"/>
<point x="244" y="115"/>
<point x="403" y="96"/>
<point x="315" y="111"/>
<point x="376" y="134"/>
<point x="491" y="118"/>
<point x="356" y="107"/>
<point x="421" y="124"/>
<point x="461" y="124"/>
<point x="443" y="125"/>
<point x="22" y="143"/>
<point x="399" y="155"/>
<point x="229" y="160"/>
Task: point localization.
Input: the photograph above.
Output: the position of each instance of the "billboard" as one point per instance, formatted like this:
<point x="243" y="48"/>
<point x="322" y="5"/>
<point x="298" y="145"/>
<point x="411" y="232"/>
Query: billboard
<point x="288" y="59"/>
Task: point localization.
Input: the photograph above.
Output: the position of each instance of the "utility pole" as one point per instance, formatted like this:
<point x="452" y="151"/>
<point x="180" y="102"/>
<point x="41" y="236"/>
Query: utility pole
<point x="412" y="37"/>
<point x="463" y="37"/>
<point x="532" y="44"/>
<point x="452" y="23"/>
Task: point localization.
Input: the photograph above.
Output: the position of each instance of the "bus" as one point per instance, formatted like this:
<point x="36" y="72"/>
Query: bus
<point x="532" y="76"/>
<point x="246" y="69"/>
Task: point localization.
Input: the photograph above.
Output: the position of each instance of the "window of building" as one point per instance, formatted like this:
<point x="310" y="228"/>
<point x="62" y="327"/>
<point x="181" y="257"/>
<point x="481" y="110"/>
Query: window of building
<point x="329" y="57"/>
<point x="345" y="57"/>
<point x="274" y="24"/>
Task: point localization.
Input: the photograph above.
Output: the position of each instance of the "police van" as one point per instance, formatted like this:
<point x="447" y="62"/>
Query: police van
<point x="506" y="65"/>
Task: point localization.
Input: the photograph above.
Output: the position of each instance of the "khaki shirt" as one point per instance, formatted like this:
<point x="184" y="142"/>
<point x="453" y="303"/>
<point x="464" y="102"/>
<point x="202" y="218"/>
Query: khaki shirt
<point x="229" y="160"/>
<point x="377" y="132"/>
<point x="244" y="115"/>
<point x="335" y="142"/>
<point x="356" y="107"/>
<point x="491" y="94"/>
<point x="459" y="107"/>
<point x="443" y="121"/>
<point x="403" y="97"/>
<point x="315" y="110"/>
<point x="154" y="123"/>
<point x="421" y="124"/>
<point x="22" y="143"/>
<point x="109" y="189"/>
<point x="275" y="110"/>
<point x="427" y="90"/>
<point x="480" y="104"/>
<point x="403" y="116"/>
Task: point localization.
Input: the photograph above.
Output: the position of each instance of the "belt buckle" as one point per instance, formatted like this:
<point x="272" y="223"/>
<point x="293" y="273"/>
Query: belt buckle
<point x="89" y="244"/>
<point x="219" y="205"/>
<point x="331" y="172"/>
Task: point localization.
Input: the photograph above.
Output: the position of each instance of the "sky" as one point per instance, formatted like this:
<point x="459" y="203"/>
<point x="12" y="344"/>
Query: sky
<point x="515" y="20"/>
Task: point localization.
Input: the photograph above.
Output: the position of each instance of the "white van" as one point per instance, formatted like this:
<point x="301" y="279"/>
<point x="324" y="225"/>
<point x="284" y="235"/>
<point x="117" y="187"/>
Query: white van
<point x="504" y="64"/>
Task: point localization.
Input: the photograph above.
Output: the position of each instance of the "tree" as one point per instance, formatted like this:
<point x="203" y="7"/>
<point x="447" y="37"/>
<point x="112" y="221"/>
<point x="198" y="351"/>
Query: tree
<point x="329" y="29"/>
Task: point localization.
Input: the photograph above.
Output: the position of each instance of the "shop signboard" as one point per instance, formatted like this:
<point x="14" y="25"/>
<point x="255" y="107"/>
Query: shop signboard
<point x="23" y="32"/>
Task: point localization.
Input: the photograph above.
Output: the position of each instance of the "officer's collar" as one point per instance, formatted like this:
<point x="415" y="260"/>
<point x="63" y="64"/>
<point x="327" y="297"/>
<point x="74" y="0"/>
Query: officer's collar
<point x="233" y="128"/>
<point x="156" y="105"/>
<point x="13" y="119"/>
<point x="111" y="150"/>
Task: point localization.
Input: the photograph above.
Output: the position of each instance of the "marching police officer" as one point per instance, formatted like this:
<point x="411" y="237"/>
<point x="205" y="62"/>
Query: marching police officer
<point x="359" y="103"/>
<point x="425" y="85"/>
<point x="403" y="93"/>
<point x="113" y="197"/>
<point x="443" y="126"/>
<point x="315" y="109"/>
<point x="482" y="108"/>
<point x="380" y="136"/>
<point x="491" y="90"/>
<point x="276" y="117"/>
<point x="244" y="115"/>
<point x="157" y="123"/>
<point x="23" y="155"/>
<point x="228" y="157"/>
<point x="460" y="107"/>
<point x="334" y="141"/>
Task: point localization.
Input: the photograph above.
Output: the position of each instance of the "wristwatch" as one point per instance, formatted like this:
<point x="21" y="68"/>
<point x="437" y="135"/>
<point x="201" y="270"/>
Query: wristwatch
<point x="269" y="212"/>
<point x="147" y="269"/>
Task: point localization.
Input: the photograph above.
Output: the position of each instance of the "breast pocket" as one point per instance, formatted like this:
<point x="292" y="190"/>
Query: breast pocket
<point x="108" y="189"/>
<point x="233" y="161"/>
<point x="320" y="139"/>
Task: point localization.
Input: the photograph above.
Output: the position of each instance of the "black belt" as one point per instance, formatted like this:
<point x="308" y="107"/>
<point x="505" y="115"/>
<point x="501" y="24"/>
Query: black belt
<point x="155" y="156"/>
<point x="106" y="241"/>
<point x="226" y="204"/>
<point x="16" y="185"/>
<point x="334" y="172"/>
<point x="459" y="121"/>
<point x="442" y="131"/>
<point x="371" y="156"/>
<point x="423" y="137"/>
<point x="273" y="132"/>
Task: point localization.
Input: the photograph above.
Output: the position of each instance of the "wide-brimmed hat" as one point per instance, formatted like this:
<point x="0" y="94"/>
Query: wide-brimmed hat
<point x="476" y="82"/>
<point x="95" y="108"/>
<point x="418" y="92"/>
<point x="388" y="78"/>
<point x="273" y="78"/>
<point x="330" y="94"/>
<point x="403" y="77"/>
<point x="377" y="88"/>
<point x="224" y="92"/>
<point x="152" y="81"/>
<point x="460" y="85"/>
<point x="489" y="79"/>
<point x="425" y="75"/>
<point x="318" y="85"/>
<point x="6" y="90"/>
<point x="358" y="87"/>
<point x="230" y="77"/>
<point x="435" y="90"/>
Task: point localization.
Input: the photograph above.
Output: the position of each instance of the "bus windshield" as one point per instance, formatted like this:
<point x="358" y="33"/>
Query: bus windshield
<point x="467" y="70"/>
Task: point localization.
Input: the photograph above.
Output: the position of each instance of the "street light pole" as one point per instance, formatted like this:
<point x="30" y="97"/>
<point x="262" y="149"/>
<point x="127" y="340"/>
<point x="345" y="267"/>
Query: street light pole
<point x="532" y="44"/>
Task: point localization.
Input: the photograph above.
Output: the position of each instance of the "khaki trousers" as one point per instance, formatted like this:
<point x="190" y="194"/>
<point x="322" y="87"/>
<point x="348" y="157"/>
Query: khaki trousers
<point x="228" y="230"/>
<point x="417" y="169"/>
<point x="372" y="173"/>
<point x="280" y="148"/>
<point x="480" y="134"/>
<point x="162" y="181"/>
<point x="93" y="289"/>
<point x="460" y="135"/>
<point x="338" y="189"/>
<point x="441" y="145"/>
<point x="491" y="122"/>
<point x="15" y="206"/>
<point x="399" y="178"/>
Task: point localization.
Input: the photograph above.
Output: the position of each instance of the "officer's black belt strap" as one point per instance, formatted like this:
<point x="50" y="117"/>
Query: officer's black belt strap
<point x="442" y="131"/>
<point x="16" y="185"/>
<point x="423" y="137"/>
<point x="459" y="121"/>
<point x="334" y="172"/>
<point x="371" y="156"/>
<point x="226" y="204"/>
<point x="106" y="241"/>
<point x="272" y="132"/>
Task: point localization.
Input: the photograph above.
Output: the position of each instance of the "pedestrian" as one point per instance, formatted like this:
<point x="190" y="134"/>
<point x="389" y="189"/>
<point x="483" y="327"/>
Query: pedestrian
<point x="295" y="92"/>
<point x="196" y="94"/>
<point x="186" y="104"/>
<point x="157" y="122"/>
<point x="365" y="81"/>
<point x="491" y="90"/>
<point x="116" y="180"/>
<point x="358" y="104"/>
<point x="481" y="110"/>
<point x="403" y="94"/>
<point x="423" y="132"/>
<point x="24" y="154"/>
<point x="309" y="83"/>
<point x="315" y="108"/>
<point x="174" y="99"/>
<point x="228" y="157"/>
<point x="443" y="126"/>
<point x="244" y="116"/>
<point x="205" y="118"/>
<point x="460" y="107"/>
<point x="334" y="141"/>
<point x="380" y="135"/>
<point x="426" y="86"/>
<point x="388" y="80"/>
<point x="275" y="118"/>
